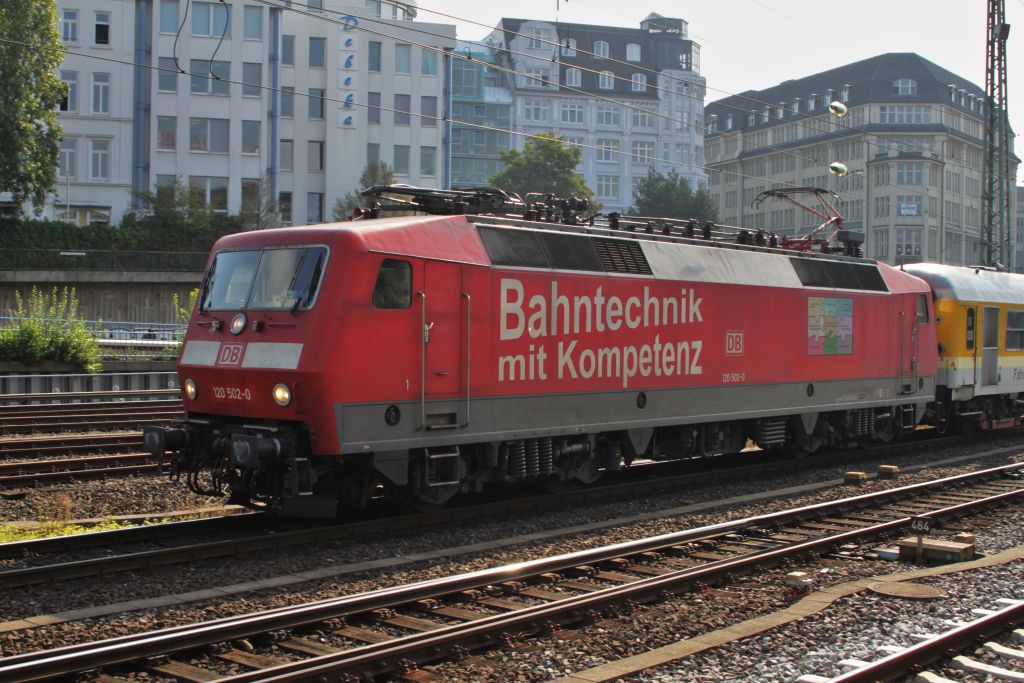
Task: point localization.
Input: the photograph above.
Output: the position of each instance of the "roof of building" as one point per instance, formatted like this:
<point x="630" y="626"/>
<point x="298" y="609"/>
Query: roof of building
<point x="869" y="80"/>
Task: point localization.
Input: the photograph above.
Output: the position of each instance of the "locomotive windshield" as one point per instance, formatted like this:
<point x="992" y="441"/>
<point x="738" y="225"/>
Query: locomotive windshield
<point x="285" y="278"/>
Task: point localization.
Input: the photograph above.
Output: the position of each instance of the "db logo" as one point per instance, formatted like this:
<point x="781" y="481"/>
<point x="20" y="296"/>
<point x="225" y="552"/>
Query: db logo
<point x="734" y="343"/>
<point x="230" y="354"/>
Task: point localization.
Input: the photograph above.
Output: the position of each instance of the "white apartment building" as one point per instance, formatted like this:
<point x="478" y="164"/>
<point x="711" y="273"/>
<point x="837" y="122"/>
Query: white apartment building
<point x="300" y="95"/>
<point x="632" y="98"/>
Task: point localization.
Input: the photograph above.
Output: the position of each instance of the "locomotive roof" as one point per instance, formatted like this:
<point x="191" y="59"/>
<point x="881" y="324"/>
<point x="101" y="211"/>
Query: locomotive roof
<point x="512" y="242"/>
<point x="960" y="283"/>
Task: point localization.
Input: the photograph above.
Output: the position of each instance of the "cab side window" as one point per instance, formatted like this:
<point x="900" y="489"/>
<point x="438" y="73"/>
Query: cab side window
<point x="394" y="285"/>
<point x="922" y="308"/>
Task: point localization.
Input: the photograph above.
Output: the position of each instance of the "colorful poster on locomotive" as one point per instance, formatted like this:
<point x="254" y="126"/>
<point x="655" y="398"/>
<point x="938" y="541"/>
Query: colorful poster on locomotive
<point x="829" y="326"/>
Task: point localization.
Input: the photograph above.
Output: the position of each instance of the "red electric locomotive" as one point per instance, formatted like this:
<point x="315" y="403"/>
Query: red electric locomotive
<point x="419" y="356"/>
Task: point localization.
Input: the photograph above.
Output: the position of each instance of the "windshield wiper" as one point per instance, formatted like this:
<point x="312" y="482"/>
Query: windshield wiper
<point x="204" y="287"/>
<point x="307" y="296"/>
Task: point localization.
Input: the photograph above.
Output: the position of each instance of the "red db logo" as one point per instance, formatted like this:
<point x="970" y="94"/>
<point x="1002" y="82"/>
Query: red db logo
<point x="734" y="343"/>
<point x="230" y="354"/>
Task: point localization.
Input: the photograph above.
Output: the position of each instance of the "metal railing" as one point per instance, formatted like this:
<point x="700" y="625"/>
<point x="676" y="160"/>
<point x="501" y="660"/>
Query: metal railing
<point x="70" y="259"/>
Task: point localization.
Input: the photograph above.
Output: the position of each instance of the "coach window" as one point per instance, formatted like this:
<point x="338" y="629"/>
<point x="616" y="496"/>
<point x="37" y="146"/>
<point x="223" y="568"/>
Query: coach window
<point x="922" y="308"/>
<point x="394" y="285"/>
<point x="1015" y="330"/>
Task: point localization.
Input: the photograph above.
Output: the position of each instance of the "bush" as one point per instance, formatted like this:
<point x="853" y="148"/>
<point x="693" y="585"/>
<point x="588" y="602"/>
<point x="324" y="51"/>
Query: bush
<point x="47" y="328"/>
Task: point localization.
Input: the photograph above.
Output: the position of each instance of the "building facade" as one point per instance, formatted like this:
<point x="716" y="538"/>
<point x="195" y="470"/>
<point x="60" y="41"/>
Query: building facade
<point x="912" y="139"/>
<point x="482" y="106"/>
<point x="632" y="98"/>
<point x="243" y="100"/>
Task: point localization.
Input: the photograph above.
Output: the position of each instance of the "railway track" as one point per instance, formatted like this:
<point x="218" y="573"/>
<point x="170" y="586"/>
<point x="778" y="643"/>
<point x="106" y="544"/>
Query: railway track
<point x="27" y="473"/>
<point x="397" y="629"/>
<point x="69" y="444"/>
<point x="949" y="645"/>
<point x="639" y="481"/>
<point x="49" y="418"/>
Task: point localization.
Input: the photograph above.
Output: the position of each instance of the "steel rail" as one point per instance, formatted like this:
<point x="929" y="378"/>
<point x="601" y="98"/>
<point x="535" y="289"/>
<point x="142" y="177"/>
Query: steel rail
<point x="58" y="409"/>
<point x="37" y="665"/>
<point x="68" y="443"/>
<point x="933" y="649"/>
<point x="62" y="396"/>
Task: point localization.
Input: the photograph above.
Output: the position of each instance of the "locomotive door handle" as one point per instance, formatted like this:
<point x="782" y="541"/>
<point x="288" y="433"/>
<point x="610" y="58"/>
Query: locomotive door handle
<point x="469" y="350"/>
<point x="423" y="359"/>
<point x="427" y="327"/>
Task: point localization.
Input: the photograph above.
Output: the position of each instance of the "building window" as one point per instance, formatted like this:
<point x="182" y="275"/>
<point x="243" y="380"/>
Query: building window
<point x="208" y="135"/>
<point x="638" y="82"/>
<point x="316" y="103"/>
<point x="641" y="118"/>
<point x="284" y="206"/>
<point x="539" y="38"/>
<point x="68" y="168"/>
<point x="632" y="52"/>
<point x="535" y="110"/>
<point x="812" y="102"/>
<point x="881" y="244"/>
<point x="210" y="19"/>
<point x="403" y="58"/>
<point x="909" y="205"/>
<point x="728" y="122"/>
<point x="287" y="50"/>
<point x="210" y="78"/>
<point x="373" y="8"/>
<point x="608" y="116"/>
<point x="572" y="113"/>
<point x="373" y="56"/>
<point x="536" y="77"/>
<point x="909" y="173"/>
<point x="167" y="133"/>
<point x="315" y="152"/>
<point x="600" y="48"/>
<point x="401" y="160"/>
<point x="607" y="186"/>
<point x="569" y="47"/>
<point x="428" y="62"/>
<point x="908" y="242"/>
<point x="904" y="113"/>
<point x="252" y="79"/>
<point x="402" y="105"/>
<point x="428" y="161"/>
<point x="573" y="77"/>
<point x="314" y="207"/>
<point x="904" y="86"/>
<point x="100" y="93"/>
<point x="167" y="78"/>
<point x="287" y="155"/>
<point x="288" y="101"/>
<point x="642" y="151"/>
<point x="101" y="32"/>
<point x="253" y="22"/>
<point x="606" y="80"/>
<point x="169" y="16"/>
<point x="373" y="107"/>
<point x="211" y="191"/>
<point x="69" y="26"/>
<point x="250" y="137"/>
<point x="428" y="111"/>
<point x="317" y="53"/>
<point x="99" y="168"/>
<point x="373" y="152"/>
<point x="70" y="101"/>
<point x="607" y="149"/>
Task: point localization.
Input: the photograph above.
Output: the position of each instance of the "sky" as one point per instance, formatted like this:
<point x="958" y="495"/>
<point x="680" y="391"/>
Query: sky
<point x="754" y="44"/>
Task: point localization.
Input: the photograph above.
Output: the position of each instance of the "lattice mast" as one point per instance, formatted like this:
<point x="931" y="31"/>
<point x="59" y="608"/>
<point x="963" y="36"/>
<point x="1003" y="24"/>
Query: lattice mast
<point x="996" y="183"/>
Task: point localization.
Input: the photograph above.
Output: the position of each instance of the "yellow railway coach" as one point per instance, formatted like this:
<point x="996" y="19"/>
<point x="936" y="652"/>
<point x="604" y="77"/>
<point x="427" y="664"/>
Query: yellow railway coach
<point x="979" y="316"/>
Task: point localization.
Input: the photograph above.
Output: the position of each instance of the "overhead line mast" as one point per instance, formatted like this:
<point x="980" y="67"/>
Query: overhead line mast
<point x="996" y="183"/>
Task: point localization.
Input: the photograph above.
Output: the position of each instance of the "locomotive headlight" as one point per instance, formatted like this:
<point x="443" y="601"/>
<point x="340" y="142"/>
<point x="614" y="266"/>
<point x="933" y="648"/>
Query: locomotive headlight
<point x="190" y="389"/>
<point x="238" y="323"/>
<point x="282" y="394"/>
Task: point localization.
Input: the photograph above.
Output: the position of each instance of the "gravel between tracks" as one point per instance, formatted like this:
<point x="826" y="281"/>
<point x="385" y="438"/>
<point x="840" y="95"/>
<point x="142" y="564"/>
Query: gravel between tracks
<point x="179" y="579"/>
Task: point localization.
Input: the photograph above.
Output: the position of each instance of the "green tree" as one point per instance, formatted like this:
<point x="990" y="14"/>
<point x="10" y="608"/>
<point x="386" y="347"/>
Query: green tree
<point x="375" y="173"/>
<point x="29" y="95"/>
<point x="259" y="209"/>
<point x="670" y="196"/>
<point x="175" y="218"/>
<point x="547" y="164"/>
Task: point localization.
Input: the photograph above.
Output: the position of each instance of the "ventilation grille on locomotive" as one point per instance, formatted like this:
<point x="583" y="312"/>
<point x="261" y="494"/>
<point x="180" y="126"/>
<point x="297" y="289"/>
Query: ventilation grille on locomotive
<point x="538" y="249"/>
<point x="816" y="272"/>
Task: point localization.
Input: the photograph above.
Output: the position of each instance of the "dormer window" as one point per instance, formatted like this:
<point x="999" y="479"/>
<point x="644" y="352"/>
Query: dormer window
<point x="905" y="86"/>
<point x="569" y="47"/>
<point x="728" y="122"/>
<point x="751" y="119"/>
<point x="764" y="115"/>
<point x="779" y="110"/>
<point x="639" y="82"/>
<point x="601" y="48"/>
<point x="796" y="106"/>
<point x="844" y="94"/>
<point x="632" y="52"/>
<point x="812" y="101"/>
